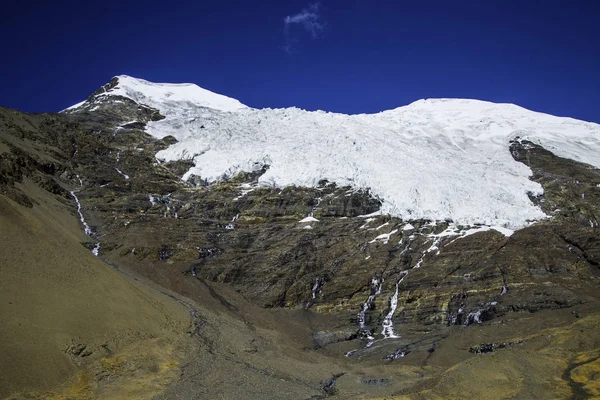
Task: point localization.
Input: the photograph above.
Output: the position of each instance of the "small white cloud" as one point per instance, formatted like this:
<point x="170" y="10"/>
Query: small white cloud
<point x="309" y="18"/>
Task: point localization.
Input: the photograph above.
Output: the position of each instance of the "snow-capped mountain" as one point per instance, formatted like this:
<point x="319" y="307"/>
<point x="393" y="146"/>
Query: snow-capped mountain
<point x="435" y="159"/>
<point x="167" y="96"/>
<point x="200" y="267"/>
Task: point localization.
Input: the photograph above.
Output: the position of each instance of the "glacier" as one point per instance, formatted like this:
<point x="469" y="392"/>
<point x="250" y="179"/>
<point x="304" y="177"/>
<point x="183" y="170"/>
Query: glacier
<point x="436" y="159"/>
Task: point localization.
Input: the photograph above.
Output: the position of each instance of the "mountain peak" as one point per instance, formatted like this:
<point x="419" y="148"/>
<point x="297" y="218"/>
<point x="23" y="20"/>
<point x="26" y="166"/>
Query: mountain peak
<point x="159" y="95"/>
<point x="164" y="96"/>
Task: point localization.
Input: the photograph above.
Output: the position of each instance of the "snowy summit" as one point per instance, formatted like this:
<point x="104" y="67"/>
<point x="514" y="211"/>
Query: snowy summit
<point x="436" y="159"/>
<point x="165" y="95"/>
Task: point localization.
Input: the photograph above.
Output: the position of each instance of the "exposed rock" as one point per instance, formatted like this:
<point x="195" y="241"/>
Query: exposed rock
<point x="324" y="338"/>
<point x="375" y="381"/>
<point x="398" y="353"/>
<point x="328" y="386"/>
<point x="491" y="347"/>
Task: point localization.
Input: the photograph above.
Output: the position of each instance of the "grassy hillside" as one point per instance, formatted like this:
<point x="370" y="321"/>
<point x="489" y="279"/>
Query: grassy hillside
<point x="61" y="307"/>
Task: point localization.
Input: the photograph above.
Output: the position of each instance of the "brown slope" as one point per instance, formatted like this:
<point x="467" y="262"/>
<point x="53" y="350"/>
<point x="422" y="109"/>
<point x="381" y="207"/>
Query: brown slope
<point x="59" y="305"/>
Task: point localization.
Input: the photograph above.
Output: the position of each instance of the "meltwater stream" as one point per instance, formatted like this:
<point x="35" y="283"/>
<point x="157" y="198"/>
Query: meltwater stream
<point x="376" y="285"/>
<point x="86" y="227"/>
<point x="388" y="325"/>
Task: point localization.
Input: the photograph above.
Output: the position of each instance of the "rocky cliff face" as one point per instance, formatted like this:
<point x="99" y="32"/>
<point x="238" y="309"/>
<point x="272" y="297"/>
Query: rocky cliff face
<point x="432" y="296"/>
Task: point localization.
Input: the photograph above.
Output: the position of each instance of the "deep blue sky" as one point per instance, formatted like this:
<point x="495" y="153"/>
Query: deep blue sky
<point x="368" y="56"/>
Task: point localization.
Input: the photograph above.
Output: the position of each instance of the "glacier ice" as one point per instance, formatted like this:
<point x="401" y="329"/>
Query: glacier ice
<point x="435" y="159"/>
